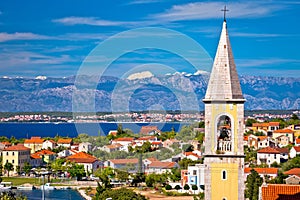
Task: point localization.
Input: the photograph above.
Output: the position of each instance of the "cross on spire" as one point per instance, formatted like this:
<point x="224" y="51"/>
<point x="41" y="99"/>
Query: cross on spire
<point x="225" y="10"/>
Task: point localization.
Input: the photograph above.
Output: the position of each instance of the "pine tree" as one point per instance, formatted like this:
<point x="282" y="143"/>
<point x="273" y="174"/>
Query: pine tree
<point x="254" y="181"/>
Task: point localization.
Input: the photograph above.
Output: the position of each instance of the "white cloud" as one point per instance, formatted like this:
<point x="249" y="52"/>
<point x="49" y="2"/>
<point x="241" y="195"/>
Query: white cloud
<point x="263" y="62"/>
<point x="22" y="36"/>
<point x="239" y="34"/>
<point x="209" y="10"/>
<point x="90" y="21"/>
<point x="144" y="1"/>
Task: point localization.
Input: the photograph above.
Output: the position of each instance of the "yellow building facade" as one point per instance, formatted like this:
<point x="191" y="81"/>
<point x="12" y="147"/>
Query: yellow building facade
<point x="17" y="155"/>
<point x="224" y="127"/>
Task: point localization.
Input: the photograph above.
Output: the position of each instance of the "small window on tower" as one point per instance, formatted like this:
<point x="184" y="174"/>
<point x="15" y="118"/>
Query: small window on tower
<point x="224" y="175"/>
<point x="224" y="46"/>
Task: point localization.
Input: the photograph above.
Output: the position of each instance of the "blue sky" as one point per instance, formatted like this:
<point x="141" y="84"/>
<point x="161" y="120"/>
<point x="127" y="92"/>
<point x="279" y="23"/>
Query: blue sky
<point x="57" y="38"/>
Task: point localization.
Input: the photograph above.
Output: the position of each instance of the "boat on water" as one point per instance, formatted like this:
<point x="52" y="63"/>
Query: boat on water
<point x="25" y="187"/>
<point x="4" y="187"/>
<point x="47" y="186"/>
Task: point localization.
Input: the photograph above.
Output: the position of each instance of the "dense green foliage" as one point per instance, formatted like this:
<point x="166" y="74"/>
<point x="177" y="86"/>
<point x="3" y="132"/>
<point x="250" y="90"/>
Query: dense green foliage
<point x="254" y="181"/>
<point x="119" y="194"/>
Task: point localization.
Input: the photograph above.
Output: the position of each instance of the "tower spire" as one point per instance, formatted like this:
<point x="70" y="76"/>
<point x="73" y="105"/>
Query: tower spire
<point x="224" y="83"/>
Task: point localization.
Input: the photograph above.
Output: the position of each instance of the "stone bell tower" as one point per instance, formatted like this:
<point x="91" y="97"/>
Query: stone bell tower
<point x="224" y="127"/>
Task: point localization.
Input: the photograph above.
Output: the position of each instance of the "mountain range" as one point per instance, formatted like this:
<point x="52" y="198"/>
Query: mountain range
<point x="177" y="91"/>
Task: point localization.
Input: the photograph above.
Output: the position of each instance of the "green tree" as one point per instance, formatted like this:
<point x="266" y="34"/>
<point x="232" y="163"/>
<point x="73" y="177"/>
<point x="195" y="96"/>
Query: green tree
<point x="175" y="174"/>
<point x="168" y="187"/>
<point x="186" y="187"/>
<point x="194" y="187"/>
<point x="250" y="121"/>
<point x="8" y="167"/>
<point x="291" y="163"/>
<point x="184" y="163"/>
<point x="254" y="181"/>
<point x="27" y="167"/>
<point x="119" y="194"/>
<point x="11" y="196"/>
<point x="121" y="175"/>
<point x="177" y="187"/>
<point x="76" y="170"/>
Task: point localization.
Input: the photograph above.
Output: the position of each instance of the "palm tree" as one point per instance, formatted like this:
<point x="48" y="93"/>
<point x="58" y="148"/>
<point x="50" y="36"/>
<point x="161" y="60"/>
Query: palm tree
<point x="8" y="167"/>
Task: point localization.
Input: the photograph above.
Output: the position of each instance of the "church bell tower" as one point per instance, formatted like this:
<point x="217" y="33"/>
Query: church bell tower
<point x="224" y="127"/>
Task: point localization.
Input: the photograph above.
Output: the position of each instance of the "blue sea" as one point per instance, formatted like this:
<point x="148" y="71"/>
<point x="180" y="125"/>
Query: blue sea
<point x="52" y="194"/>
<point x="26" y="130"/>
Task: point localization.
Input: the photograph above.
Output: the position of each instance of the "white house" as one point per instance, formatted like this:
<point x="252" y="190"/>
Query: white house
<point x="271" y="172"/>
<point x="49" y="144"/>
<point x="89" y="162"/>
<point x="85" y="147"/>
<point x="268" y="156"/>
<point x="294" y="151"/>
<point x="196" y="177"/>
<point x="158" y="167"/>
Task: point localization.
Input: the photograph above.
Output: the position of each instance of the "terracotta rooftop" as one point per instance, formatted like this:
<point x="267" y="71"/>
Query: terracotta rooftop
<point x="297" y="149"/>
<point x="45" y="152"/>
<point x="162" y="165"/>
<point x="35" y="156"/>
<point x="64" y="141"/>
<point x="34" y="140"/>
<point x="152" y="159"/>
<point x="294" y="171"/>
<point x="146" y="138"/>
<point x="18" y="147"/>
<point x="246" y="138"/>
<point x="283" y="131"/>
<point x="280" y="191"/>
<point x="260" y="125"/>
<point x="298" y="141"/>
<point x="271" y="170"/>
<point x="261" y="138"/>
<point x="113" y="146"/>
<point x="268" y="150"/>
<point x="124" y="139"/>
<point x="274" y="123"/>
<point x="147" y="129"/>
<point x="124" y="161"/>
<point x="82" y="157"/>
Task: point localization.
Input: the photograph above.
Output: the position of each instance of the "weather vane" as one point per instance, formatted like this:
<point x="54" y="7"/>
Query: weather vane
<point x="224" y="10"/>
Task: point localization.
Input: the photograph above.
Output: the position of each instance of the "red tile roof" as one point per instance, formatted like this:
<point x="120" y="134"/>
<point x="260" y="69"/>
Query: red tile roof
<point x="283" y="131"/>
<point x="260" y="124"/>
<point x="45" y="152"/>
<point x="113" y="146"/>
<point x="34" y="140"/>
<point x="268" y="150"/>
<point x="297" y="140"/>
<point x="162" y="165"/>
<point x="147" y="129"/>
<point x="82" y="157"/>
<point x="271" y="170"/>
<point x="18" y="147"/>
<point x="147" y="138"/>
<point x="124" y="161"/>
<point x="64" y="141"/>
<point x="246" y="138"/>
<point x="261" y="138"/>
<point x="152" y="159"/>
<point x="294" y="171"/>
<point x="6" y="143"/>
<point x="35" y="156"/>
<point x="274" y="123"/>
<point x="297" y="149"/>
<point x="124" y="139"/>
<point x="280" y="191"/>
